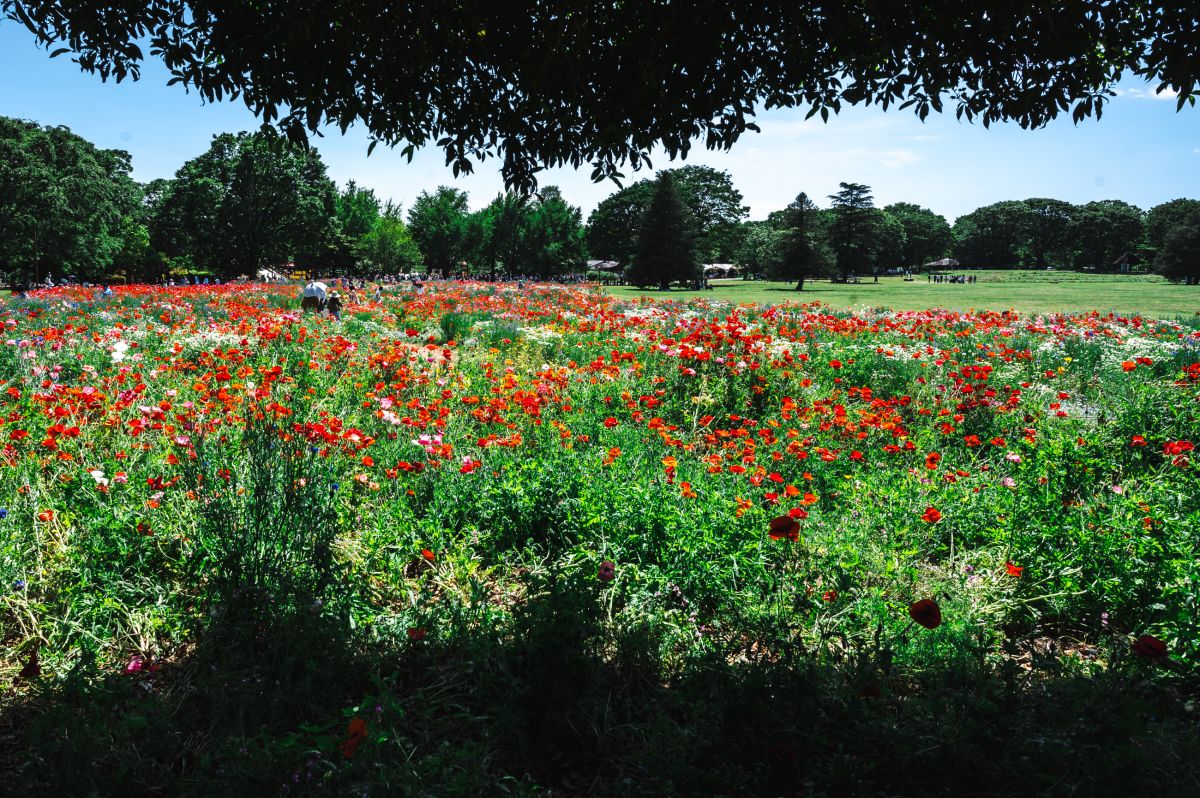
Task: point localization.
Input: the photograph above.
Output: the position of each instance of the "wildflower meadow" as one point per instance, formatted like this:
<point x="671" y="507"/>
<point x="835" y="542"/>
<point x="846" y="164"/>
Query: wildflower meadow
<point x="546" y="541"/>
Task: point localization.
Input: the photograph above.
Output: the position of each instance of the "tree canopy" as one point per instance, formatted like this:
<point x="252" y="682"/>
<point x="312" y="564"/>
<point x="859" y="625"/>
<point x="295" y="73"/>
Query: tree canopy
<point x="541" y="84"/>
<point x="439" y="224"/>
<point x="1179" y="258"/>
<point x="715" y="205"/>
<point x="65" y="206"/>
<point x="252" y="201"/>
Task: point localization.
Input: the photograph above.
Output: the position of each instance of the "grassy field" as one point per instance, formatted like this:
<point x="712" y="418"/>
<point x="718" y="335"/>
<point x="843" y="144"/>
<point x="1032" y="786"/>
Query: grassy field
<point x="1025" y="291"/>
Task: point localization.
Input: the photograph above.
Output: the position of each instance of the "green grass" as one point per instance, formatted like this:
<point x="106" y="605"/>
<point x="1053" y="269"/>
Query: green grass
<point x="1023" y="291"/>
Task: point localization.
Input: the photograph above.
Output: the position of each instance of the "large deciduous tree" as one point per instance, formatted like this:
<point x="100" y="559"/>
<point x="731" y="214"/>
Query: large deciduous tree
<point x="927" y="235"/>
<point x="541" y="83"/>
<point x="758" y="253"/>
<point x="990" y="237"/>
<point x="439" y="223"/>
<point x="1165" y="217"/>
<point x="555" y="235"/>
<point x="612" y="226"/>
<point x="666" y="246"/>
<point x="1044" y="237"/>
<point x="1179" y="258"/>
<point x="1102" y="232"/>
<point x="253" y="201"/>
<point x="66" y="207"/>
<point x="388" y="246"/>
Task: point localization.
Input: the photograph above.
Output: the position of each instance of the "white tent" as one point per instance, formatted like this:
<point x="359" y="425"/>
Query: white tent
<point x="604" y="265"/>
<point x="712" y="270"/>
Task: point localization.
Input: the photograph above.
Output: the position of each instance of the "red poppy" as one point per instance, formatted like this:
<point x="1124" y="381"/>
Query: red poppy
<point x="830" y="595"/>
<point x="931" y="515"/>
<point x="417" y="633"/>
<point x="428" y="555"/>
<point x="357" y="731"/>
<point x="607" y="572"/>
<point x="1137" y="440"/>
<point x="927" y="613"/>
<point x="1014" y="570"/>
<point x="45" y="516"/>
<point x="784" y="527"/>
<point x="1150" y="647"/>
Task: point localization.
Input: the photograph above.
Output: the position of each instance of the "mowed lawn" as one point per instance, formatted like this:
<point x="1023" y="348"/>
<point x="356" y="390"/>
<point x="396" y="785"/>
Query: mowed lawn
<point x="1024" y="291"/>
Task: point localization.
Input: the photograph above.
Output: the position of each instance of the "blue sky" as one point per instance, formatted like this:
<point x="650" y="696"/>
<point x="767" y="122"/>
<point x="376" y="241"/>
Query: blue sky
<point x="1141" y="151"/>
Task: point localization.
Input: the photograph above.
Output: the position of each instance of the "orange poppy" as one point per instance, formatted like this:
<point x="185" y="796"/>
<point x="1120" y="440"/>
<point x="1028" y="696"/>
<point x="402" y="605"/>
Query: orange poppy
<point x="357" y="731"/>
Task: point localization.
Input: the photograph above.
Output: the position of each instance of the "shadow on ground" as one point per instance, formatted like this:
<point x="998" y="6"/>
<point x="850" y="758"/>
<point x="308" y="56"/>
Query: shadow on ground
<point x="556" y="703"/>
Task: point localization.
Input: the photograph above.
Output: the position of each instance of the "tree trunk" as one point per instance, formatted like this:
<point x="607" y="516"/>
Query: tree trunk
<point x="800" y="284"/>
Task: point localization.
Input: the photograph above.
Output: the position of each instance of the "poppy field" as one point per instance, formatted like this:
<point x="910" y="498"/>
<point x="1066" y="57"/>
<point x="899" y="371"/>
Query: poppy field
<point x="553" y="542"/>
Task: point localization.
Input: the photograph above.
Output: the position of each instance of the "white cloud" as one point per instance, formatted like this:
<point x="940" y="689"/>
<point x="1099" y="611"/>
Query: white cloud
<point x="1148" y="94"/>
<point x="891" y="158"/>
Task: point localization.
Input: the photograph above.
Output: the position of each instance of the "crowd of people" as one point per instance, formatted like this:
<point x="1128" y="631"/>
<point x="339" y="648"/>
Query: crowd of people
<point x="320" y="297"/>
<point x="960" y="279"/>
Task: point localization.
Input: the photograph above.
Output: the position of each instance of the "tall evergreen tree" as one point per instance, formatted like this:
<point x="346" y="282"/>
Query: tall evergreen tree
<point x="855" y="226"/>
<point x="801" y="254"/>
<point x="666" y="245"/>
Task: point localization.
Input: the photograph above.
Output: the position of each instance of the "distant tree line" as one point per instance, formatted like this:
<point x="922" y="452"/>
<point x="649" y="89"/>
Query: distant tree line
<point x="252" y="201"/>
<point x="852" y="237"/>
<point x="256" y="201"/>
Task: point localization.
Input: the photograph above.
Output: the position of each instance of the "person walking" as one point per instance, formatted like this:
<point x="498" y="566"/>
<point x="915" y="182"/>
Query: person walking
<point x="334" y="306"/>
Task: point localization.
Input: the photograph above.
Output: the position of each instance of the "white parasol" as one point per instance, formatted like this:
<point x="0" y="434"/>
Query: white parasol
<point x="316" y="289"/>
